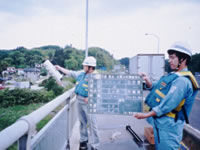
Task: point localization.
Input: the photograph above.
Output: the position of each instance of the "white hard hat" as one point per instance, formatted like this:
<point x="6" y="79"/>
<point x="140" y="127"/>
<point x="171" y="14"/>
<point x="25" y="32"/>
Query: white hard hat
<point x="89" y="61"/>
<point x="181" y="47"/>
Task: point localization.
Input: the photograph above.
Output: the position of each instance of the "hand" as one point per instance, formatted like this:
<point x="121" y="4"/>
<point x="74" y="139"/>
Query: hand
<point x="144" y="76"/>
<point x="140" y="115"/>
<point x="57" y="67"/>
<point x="85" y="100"/>
<point x="146" y="79"/>
<point x="63" y="70"/>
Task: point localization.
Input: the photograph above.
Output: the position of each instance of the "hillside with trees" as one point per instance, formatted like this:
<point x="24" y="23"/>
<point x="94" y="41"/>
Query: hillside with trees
<point x="19" y="58"/>
<point x="68" y="57"/>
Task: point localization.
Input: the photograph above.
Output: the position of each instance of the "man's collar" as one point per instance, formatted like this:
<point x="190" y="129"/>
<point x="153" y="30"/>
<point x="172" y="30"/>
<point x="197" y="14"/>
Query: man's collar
<point x="184" y="69"/>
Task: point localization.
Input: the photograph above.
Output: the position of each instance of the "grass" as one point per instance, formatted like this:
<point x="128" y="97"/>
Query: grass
<point x="10" y="115"/>
<point x="43" y="122"/>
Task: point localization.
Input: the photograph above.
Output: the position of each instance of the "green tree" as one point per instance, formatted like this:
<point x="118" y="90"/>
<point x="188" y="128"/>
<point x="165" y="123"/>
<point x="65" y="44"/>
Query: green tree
<point x="167" y="66"/>
<point x="4" y="54"/>
<point x="50" y="55"/>
<point x="194" y="66"/>
<point x="9" y="61"/>
<point x="104" y="58"/>
<point x="71" y="64"/>
<point x="59" y="57"/>
<point x="125" y="62"/>
<point x="43" y="72"/>
<point x="51" y="85"/>
<point x="3" y="65"/>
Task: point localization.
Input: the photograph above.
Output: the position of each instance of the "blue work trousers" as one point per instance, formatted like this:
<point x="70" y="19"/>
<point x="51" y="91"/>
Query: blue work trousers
<point x="167" y="139"/>
<point x="88" y="124"/>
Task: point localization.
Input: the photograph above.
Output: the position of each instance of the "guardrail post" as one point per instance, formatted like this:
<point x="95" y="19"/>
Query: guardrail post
<point x="68" y="124"/>
<point x="22" y="142"/>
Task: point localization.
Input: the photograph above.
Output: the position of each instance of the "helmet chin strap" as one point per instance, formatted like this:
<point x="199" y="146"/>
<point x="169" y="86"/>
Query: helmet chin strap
<point x="88" y="70"/>
<point x="179" y="64"/>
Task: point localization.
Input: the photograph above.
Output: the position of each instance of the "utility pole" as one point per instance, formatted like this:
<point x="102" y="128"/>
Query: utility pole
<point x="158" y="40"/>
<point x="86" y="31"/>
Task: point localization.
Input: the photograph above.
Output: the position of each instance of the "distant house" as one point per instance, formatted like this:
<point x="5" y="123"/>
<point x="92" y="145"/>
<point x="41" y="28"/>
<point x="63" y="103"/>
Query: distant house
<point x="9" y="73"/>
<point x="33" y="74"/>
<point x="11" y="70"/>
<point x="39" y="66"/>
<point x="21" y="85"/>
<point x="5" y="73"/>
<point x="20" y="73"/>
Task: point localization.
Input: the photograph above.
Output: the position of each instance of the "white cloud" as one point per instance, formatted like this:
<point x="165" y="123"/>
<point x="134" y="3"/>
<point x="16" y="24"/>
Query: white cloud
<point x="120" y="33"/>
<point x="38" y="31"/>
<point x="124" y="35"/>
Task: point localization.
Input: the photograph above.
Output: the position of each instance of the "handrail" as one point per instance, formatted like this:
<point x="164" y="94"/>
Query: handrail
<point x="27" y="123"/>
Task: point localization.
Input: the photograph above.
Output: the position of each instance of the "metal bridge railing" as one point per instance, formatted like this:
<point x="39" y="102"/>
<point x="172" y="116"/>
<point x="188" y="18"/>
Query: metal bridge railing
<point x="55" y="134"/>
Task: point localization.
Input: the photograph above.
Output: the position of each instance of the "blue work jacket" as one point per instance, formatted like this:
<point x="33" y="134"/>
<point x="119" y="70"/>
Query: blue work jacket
<point x="181" y="88"/>
<point x="82" y="84"/>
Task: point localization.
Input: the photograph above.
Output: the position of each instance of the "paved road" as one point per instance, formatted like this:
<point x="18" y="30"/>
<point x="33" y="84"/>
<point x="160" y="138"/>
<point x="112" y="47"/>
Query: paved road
<point x="113" y="134"/>
<point x="194" y="116"/>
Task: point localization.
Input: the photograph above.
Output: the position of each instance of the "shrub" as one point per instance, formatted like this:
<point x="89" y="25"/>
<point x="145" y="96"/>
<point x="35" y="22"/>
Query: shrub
<point x="51" y="85"/>
<point x="24" y="97"/>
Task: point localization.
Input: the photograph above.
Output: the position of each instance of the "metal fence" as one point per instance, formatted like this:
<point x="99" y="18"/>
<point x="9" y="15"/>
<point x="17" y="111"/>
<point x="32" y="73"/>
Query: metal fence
<point x="54" y="135"/>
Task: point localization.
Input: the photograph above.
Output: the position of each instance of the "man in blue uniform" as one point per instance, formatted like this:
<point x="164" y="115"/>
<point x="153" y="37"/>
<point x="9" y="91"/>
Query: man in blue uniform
<point x="81" y="90"/>
<point x="171" y="99"/>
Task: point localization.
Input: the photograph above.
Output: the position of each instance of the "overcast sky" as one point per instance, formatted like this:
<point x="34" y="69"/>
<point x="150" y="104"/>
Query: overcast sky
<point x="118" y="26"/>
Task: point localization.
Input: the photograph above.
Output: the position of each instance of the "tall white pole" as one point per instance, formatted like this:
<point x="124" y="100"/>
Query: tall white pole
<point x="158" y="40"/>
<point x="86" y="31"/>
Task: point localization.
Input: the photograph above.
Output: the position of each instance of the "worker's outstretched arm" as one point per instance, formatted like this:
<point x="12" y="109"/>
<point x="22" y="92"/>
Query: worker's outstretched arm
<point x="145" y="115"/>
<point x="63" y="70"/>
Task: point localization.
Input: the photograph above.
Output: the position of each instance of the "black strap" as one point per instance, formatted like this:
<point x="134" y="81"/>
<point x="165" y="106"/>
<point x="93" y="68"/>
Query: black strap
<point x="176" y="115"/>
<point x="185" y="115"/>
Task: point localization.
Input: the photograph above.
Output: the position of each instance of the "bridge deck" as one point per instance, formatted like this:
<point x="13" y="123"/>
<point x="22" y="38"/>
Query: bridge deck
<point x="113" y="133"/>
